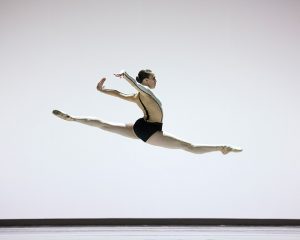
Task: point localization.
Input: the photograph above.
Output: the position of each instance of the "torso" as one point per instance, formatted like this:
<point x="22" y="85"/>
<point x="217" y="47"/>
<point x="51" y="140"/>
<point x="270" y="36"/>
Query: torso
<point x="150" y="105"/>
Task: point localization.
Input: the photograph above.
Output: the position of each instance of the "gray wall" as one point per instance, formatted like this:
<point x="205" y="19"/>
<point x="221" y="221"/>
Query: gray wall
<point x="228" y="73"/>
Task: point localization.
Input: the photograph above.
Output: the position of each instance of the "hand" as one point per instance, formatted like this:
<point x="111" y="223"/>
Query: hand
<point x="100" y="86"/>
<point x="120" y="75"/>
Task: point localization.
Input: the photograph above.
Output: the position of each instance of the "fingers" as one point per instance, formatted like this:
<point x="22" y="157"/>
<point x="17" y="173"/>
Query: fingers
<point x="119" y="74"/>
<point x="102" y="80"/>
<point x="100" y="84"/>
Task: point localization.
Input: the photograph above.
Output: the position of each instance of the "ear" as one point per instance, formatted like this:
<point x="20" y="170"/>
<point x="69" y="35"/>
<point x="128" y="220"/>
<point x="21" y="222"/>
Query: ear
<point x="145" y="81"/>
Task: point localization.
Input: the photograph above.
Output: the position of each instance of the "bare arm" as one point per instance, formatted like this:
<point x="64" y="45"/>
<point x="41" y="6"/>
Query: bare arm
<point x="130" y="80"/>
<point x="115" y="93"/>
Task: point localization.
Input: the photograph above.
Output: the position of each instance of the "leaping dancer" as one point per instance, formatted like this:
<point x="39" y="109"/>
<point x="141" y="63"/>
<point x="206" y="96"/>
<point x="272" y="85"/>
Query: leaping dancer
<point x="149" y="127"/>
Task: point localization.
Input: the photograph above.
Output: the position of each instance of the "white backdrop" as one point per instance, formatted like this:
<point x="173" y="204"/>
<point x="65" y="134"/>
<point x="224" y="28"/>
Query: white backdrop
<point x="227" y="71"/>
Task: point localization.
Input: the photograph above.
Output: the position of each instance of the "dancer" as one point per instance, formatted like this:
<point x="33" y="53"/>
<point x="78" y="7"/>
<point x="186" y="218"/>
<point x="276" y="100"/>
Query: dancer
<point x="149" y="127"/>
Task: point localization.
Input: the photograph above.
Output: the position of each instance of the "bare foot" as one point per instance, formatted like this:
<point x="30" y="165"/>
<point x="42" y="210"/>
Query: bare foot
<point x="227" y="149"/>
<point x="62" y="115"/>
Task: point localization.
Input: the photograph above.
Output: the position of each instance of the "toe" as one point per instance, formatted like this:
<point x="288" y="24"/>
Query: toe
<point x="56" y="112"/>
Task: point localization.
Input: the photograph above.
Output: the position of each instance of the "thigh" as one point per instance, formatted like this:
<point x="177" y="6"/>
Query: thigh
<point x="164" y="139"/>
<point x="125" y="130"/>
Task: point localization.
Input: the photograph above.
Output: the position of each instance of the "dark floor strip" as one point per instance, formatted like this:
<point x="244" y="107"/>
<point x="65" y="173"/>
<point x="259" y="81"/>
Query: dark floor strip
<point x="147" y="222"/>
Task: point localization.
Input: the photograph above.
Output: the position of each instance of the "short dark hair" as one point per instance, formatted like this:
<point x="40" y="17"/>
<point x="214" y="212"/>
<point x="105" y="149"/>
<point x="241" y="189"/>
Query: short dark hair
<point x="143" y="74"/>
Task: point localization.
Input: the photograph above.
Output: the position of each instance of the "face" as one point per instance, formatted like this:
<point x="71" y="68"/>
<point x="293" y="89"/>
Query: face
<point x="151" y="81"/>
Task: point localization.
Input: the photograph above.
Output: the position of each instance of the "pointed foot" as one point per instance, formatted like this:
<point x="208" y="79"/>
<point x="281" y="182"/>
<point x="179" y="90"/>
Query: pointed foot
<point x="62" y="115"/>
<point x="228" y="149"/>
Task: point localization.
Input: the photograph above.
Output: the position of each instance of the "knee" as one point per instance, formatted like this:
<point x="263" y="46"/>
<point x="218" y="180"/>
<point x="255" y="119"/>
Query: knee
<point x="188" y="146"/>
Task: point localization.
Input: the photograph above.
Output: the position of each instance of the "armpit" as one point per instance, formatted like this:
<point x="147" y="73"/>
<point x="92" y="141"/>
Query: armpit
<point x="129" y="97"/>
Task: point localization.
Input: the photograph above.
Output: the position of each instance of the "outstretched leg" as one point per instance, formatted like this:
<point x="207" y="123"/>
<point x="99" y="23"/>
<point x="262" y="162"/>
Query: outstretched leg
<point x="165" y="140"/>
<point x="125" y="130"/>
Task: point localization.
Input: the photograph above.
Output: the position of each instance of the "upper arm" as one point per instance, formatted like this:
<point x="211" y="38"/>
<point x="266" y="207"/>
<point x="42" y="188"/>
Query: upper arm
<point x="128" y="97"/>
<point x="116" y="93"/>
<point x="132" y="81"/>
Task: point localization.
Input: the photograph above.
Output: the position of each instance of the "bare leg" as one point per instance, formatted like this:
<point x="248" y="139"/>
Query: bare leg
<point x="125" y="130"/>
<point x="161" y="139"/>
<point x="165" y="140"/>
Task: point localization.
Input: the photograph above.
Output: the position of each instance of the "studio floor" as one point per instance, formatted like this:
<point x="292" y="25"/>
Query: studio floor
<point x="150" y="233"/>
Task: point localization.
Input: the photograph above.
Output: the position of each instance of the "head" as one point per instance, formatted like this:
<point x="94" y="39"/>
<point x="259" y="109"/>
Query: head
<point x="146" y="78"/>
